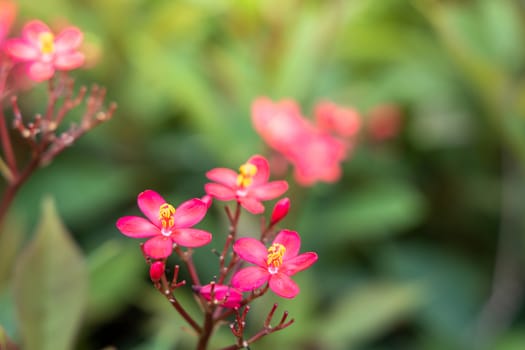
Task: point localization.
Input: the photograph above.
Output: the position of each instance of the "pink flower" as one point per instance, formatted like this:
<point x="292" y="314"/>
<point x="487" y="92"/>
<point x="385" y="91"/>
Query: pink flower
<point x="165" y="224"/>
<point x="314" y="151"/>
<point x="275" y="265"/>
<point x="222" y="295"/>
<point x="44" y="52"/>
<point x="319" y="159"/>
<point x="249" y="186"/>
<point x="280" y="124"/>
<point x="345" y="122"/>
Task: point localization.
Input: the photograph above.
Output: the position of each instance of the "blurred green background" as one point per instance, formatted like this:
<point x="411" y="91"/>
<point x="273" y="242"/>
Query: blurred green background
<point x="421" y="241"/>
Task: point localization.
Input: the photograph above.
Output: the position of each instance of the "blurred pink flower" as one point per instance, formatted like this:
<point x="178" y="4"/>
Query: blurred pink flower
<point x="275" y="265"/>
<point x="7" y="17"/>
<point x="313" y="150"/>
<point x="222" y="295"/>
<point x="319" y="159"/>
<point x="345" y="122"/>
<point x="45" y="53"/>
<point x="280" y="124"/>
<point x="165" y="224"/>
<point x="248" y="187"/>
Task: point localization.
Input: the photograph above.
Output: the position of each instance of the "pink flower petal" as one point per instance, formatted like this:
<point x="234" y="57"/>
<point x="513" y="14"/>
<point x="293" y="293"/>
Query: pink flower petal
<point x="283" y="286"/>
<point x="158" y="247"/>
<point x="68" y="39"/>
<point x="279" y="124"/>
<point x="20" y="50"/>
<point x="263" y="169"/>
<point x="32" y="31"/>
<point x="69" y="60"/>
<point x="226" y="296"/>
<point x="223" y="176"/>
<point x="189" y="213"/>
<point x="291" y="241"/>
<point x="331" y="117"/>
<point x="220" y="192"/>
<point x="270" y="190"/>
<point x="149" y="203"/>
<point x="191" y="237"/>
<point x="252" y="205"/>
<point x="251" y="250"/>
<point x="40" y="71"/>
<point x="137" y="227"/>
<point x="250" y="278"/>
<point x="299" y="263"/>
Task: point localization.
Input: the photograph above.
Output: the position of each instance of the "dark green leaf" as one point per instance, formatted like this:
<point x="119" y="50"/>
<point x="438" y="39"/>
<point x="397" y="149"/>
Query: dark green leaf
<point x="50" y="286"/>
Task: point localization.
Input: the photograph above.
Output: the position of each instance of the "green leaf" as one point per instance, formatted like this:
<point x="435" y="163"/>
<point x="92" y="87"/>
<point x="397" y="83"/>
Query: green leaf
<point x="3" y="339"/>
<point x="5" y="342"/>
<point x="377" y="210"/>
<point x="369" y="311"/>
<point x="50" y="285"/>
<point x="7" y="315"/>
<point x="11" y="238"/>
<point x="511" y="340"/>
<point x="454" y="286"/>
<point x="116" y="271"/>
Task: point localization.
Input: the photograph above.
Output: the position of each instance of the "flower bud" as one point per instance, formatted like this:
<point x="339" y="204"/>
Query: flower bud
<point x="280" y="210"/>
<point x="156" y="271"/>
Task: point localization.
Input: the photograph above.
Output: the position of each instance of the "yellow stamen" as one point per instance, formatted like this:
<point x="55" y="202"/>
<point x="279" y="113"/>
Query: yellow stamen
<point x="246" y="173"/>
<point x="166" y="212"/>
<point x="275" y="255"/>
<point x="47" y="42"/>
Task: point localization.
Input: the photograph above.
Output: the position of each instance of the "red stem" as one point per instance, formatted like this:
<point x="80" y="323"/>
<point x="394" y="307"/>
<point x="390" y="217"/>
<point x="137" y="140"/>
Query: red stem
<point x="6" y="144"/>
<point x="4" y="133"/>
<point x="206" y="331"/>
<point x="173" y="301"/>
<point x="166" y="288"/>
<point x="188" y="260"/>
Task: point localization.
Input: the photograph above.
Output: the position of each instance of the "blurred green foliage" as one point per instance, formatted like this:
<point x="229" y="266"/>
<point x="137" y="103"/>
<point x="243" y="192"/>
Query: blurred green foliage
<point x="421" y="242"/>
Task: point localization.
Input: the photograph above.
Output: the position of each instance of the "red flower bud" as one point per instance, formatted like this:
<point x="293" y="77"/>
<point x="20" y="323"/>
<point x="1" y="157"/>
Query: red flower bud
<point x="280" y="210"/>
<point x="156" y="271"/>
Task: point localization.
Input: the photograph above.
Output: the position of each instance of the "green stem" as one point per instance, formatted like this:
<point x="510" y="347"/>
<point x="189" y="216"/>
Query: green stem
<point x="5" y="171"/>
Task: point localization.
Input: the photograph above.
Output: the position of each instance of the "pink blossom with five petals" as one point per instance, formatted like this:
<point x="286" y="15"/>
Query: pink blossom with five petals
<point x="275" y="265"/>
<point x="45" y="53"/>
<point x="165" y="225"/>
<point x="249" y="186"/>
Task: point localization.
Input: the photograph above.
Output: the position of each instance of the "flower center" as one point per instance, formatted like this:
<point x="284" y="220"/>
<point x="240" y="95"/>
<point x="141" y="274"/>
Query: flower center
<point x="47" y="43"/>
<point x="166" y="212"/>
<point x="275" y="257"/>
<point x="246" y="173"/>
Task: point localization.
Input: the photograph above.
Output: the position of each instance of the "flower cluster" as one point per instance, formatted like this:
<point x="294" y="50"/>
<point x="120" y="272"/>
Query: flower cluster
<point x="315" y="150"/>
<point x="40" y="54"/>
<point x="168" y="229"/>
